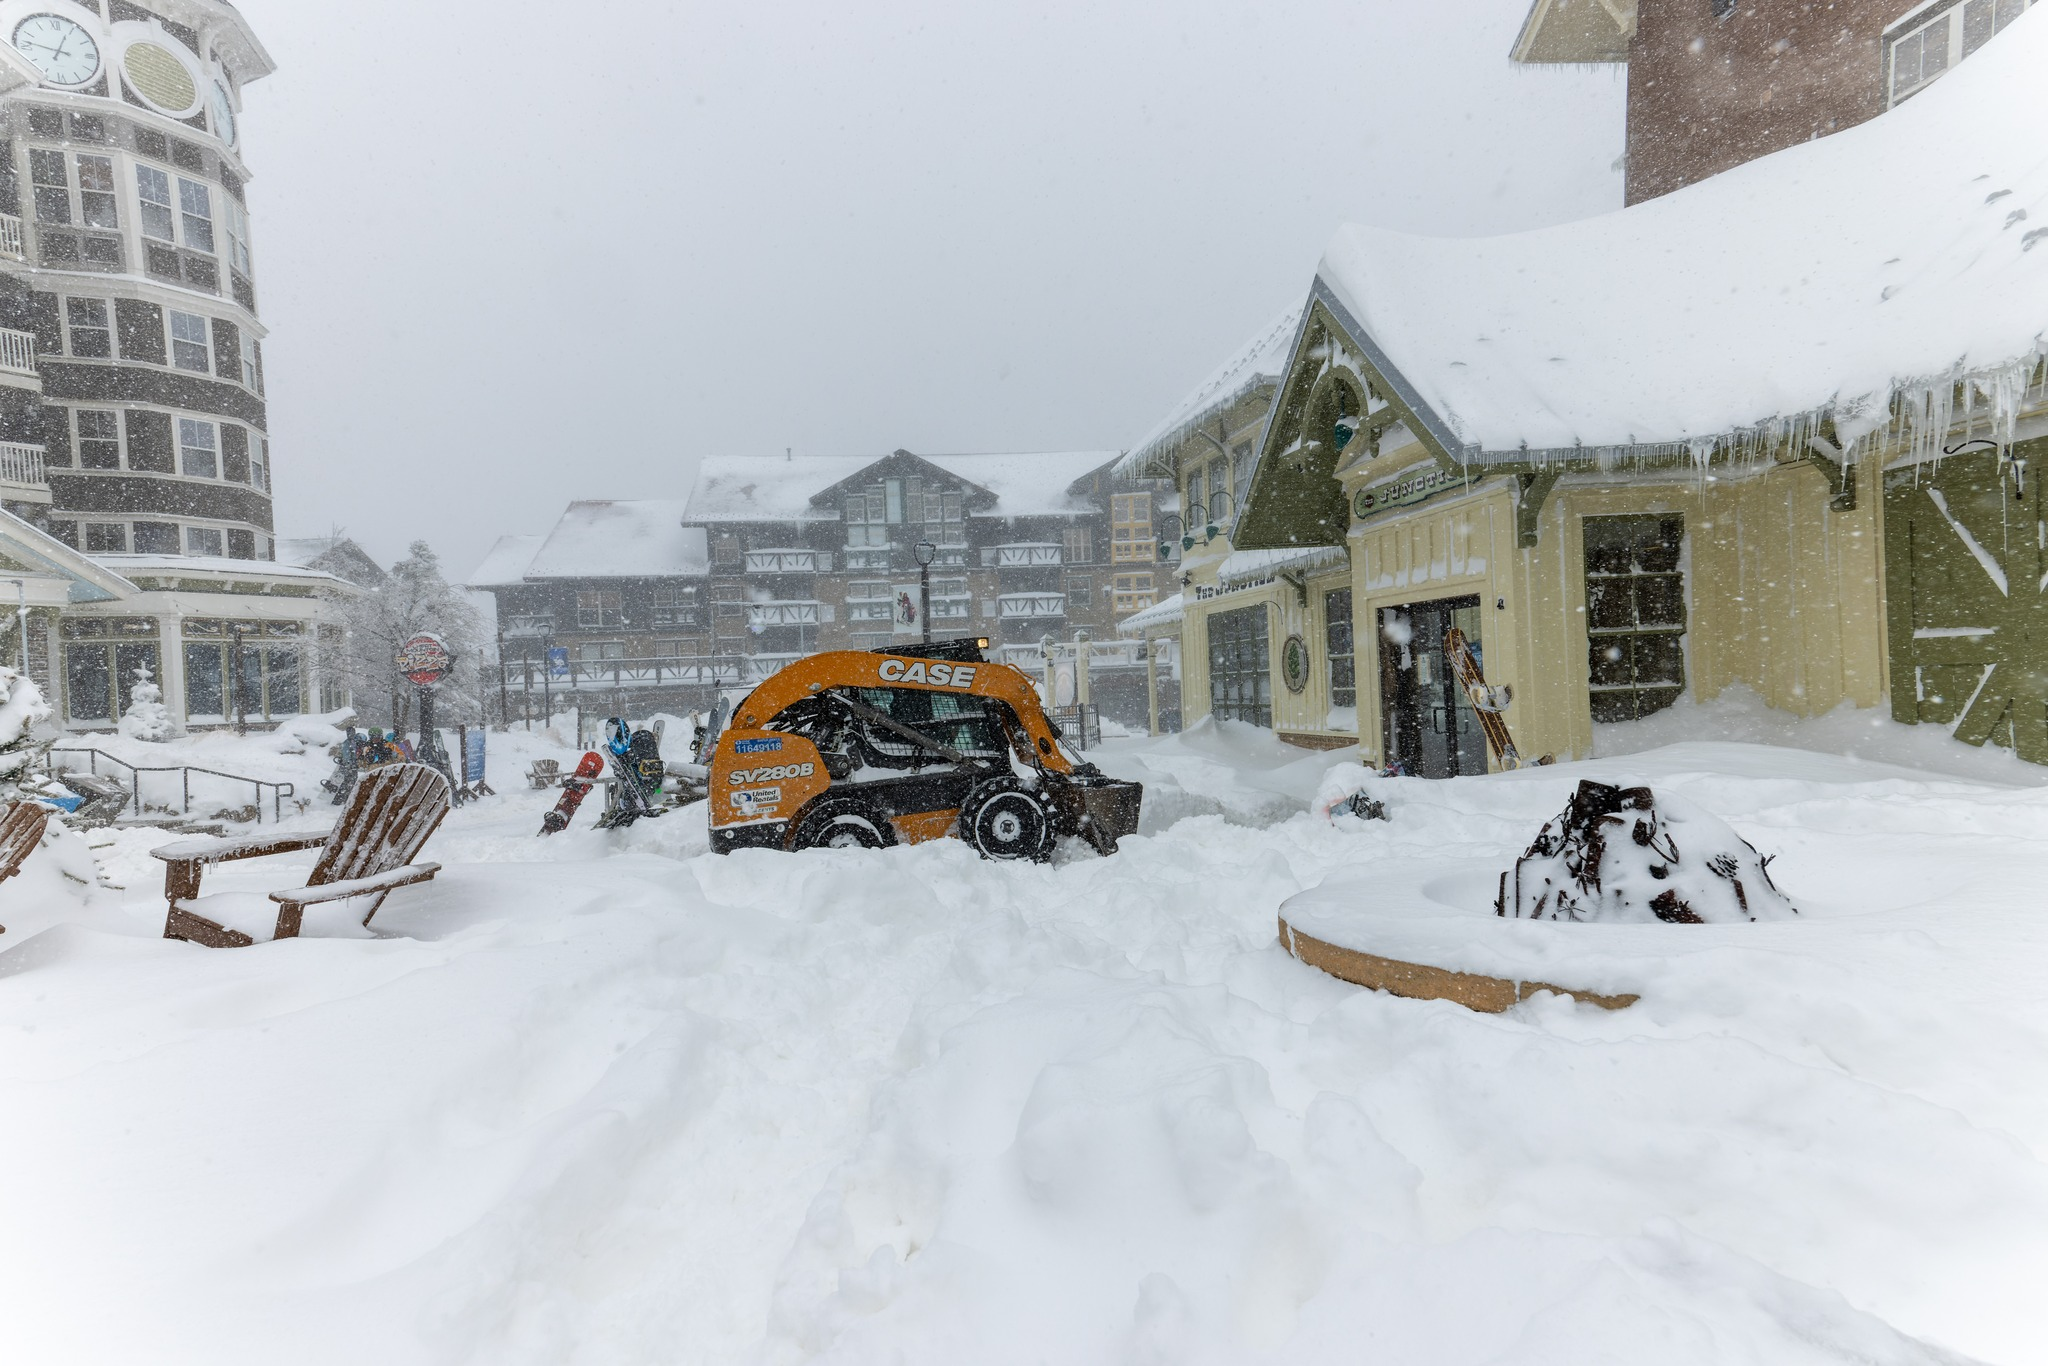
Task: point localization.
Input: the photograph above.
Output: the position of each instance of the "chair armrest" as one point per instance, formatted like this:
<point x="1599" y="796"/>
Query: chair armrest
<point x="228" y="850"/>
<point x="357" y="886"/>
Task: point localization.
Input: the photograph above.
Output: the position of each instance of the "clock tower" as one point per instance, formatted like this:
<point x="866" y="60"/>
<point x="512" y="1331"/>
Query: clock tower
<point x="133" y="422"/>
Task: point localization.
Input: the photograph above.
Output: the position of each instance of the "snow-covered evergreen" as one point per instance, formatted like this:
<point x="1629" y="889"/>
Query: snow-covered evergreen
<point x="146" y="717"/>
<point x="414" y="598"/>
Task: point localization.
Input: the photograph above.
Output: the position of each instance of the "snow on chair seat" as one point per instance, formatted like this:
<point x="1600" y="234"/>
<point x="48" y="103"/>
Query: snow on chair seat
<point x="544" y="773"/>
<point x="21" y="830"/>
<point x="389" y="817"/>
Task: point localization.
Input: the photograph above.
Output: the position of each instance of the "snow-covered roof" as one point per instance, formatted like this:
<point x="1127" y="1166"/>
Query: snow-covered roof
<point x="1241" y="567"/>
<point x="1166" y="613"/>
<point x="1907" y="252"/>
<point x="642" y="539"/>
<point x="778" y="489"/>
<point x="1027" y="485"/>
<point x="1259" y="363"/>
<point x="740" y="488"/>
<point x="506" y="563"/>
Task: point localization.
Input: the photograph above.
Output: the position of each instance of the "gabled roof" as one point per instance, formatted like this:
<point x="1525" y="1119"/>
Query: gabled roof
<point x="642" y="539"/>
<point x="1801" y="284"/>
<point x="505" y="565"/>
<point x="1255" y="367"/>
<point x="1575" y="31"/>
<point x="337" y="554"/>
<point x="794" y="490"/>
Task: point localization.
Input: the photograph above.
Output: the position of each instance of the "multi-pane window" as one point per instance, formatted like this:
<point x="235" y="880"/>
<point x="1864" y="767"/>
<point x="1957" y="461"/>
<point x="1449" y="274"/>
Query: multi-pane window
<point x="195" y="214"/>
<point x="1080" y="590"/>
<point x="726" y="555"/>
<point x="237" y="221"/>
<point x="1635" y="614"/>
<point x="1220" y="505"/>
<point x="1130" y="528"/>
<point x="1240" y="666"/>
<point x="91" y="203"/>
<point x="599" y="651"/>
<point x="106" y="538"/>
<point x="252" y="365"/>
<point x="675" y="606"/>
<point x="1941" y="35"/>
<point x="187" y="219"/>
<point x="1079" y="542"/>
<point x="92" y="332"/>
<point x="102" y="658"/>
<point x="153" y="189"/>
<point x="205" y="540"/>
<point x="99" y="439"/>
<point x="198" y="449"/>
<point x="259" y="461"/>
<point x="597" y="608"/>
<point x="191" y="343"/>
<point x="1197" y="504"/>
<point x="871" y="600"/>
<point x="1132" y="593"/>
<point x="156" y="538"/>
<point x="249" y="667"/>
<point x="1338" y="645"/>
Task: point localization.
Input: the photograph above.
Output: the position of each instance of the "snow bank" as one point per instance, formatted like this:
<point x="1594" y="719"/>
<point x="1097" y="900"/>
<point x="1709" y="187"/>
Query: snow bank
<point x="1901" y="254"/>
<point x="610" y="1099"/>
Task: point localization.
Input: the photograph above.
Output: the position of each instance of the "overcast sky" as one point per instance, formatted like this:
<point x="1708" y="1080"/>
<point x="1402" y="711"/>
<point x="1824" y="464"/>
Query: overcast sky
<point x="516" y="253"/>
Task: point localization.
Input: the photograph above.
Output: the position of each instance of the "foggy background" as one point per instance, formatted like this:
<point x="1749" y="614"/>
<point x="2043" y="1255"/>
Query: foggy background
<point x="515" y="253"/>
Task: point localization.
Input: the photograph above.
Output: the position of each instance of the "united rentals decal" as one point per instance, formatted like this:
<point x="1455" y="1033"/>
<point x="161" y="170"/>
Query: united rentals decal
<point x="1405" y="492"/>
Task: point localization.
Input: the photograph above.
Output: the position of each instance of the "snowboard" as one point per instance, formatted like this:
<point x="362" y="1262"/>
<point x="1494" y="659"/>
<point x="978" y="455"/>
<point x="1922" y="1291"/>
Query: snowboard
<point x="575" y="788"/>
<point x="636" y="775"/>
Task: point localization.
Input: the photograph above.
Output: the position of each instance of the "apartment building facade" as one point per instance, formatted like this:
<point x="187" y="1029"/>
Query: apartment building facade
<point x="770" y="559"/>
<point x="133" y="422"/>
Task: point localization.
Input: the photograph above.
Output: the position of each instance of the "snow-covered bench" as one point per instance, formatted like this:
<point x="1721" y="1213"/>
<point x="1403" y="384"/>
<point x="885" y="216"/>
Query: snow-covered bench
<point x="389" y="817"/>
<point x="21" y="830"/>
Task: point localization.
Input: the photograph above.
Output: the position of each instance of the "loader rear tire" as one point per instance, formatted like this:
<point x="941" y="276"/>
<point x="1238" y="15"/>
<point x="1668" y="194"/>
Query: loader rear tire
<point x="842" y="823"/>
<point x="1003" y="819"/>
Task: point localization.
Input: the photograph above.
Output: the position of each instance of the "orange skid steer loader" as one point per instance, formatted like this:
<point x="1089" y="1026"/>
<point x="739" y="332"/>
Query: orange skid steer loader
<point x="873" y="748"/>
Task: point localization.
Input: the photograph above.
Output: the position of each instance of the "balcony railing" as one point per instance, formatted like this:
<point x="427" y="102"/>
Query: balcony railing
<point x="1023" y="555"/>
<point x="1020" y="606"/>
<point x="527" y="627"/>
<point x="871" y="609"/>
<point x="575" y="675"/>
<point x="22" y="466"/>
<point x="952" y="609"/>
<point x="792" y="613"/>
<point x="12" y="243"/>
<point x="17" y="351"/>
<point x="867" y="557"/>
<point x="794" y="561"/>
<point x="759" y="668"/>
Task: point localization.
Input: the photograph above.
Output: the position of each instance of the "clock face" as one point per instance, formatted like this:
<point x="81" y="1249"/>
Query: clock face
<point x="223" y="114"/>
<point x="60" y="49"/>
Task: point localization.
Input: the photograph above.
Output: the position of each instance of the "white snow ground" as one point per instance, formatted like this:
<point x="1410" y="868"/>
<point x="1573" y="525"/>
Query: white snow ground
<point x="609" y="1099"/>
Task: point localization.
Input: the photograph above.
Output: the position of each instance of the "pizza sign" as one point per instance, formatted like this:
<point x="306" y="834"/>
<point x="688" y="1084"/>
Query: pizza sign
<point x="424" y="660"/>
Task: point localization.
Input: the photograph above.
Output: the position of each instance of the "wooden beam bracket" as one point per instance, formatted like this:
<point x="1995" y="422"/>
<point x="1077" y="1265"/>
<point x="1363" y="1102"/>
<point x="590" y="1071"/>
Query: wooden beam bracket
<point x="1532" y="491"/>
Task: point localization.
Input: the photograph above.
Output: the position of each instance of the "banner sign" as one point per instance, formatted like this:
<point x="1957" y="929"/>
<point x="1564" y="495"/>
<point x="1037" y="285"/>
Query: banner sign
<point x="558" y="660"/>
<point x="473" y="756"/>
<point x="424" y="660"/>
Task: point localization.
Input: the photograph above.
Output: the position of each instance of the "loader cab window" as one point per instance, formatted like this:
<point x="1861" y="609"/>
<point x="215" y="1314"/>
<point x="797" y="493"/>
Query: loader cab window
<point x="968" y="724"/>
<point x="975" y="726"/>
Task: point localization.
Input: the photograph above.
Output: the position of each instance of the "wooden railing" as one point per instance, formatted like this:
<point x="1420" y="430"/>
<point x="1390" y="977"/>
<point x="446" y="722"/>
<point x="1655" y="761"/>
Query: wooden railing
<point x="22" y="464"/>
<point x="17" y="351"/>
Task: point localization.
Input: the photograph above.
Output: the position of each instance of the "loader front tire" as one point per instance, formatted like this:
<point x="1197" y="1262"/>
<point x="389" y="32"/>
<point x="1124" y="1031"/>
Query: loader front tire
<point x="1003" y="819"/>
<point x="842" y="823"/>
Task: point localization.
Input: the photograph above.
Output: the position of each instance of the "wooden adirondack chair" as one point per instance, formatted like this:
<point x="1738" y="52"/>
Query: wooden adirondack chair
<point x="544" y="773"/>
<point x="21" y="830"/>
<point x="369" y="853"/>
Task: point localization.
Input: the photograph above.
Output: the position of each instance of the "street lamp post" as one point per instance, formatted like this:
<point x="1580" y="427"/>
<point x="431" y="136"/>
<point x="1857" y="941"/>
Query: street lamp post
<point x="925" y="552"/>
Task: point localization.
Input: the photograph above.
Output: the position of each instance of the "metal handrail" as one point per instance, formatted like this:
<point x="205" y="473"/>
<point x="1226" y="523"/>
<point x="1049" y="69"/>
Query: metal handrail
<point x="279" y="793"/>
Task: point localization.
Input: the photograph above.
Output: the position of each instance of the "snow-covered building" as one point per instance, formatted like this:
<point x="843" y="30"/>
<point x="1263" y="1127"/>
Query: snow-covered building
<point x="134" y="425"/>
<point x="1783" y="428"/>
<point x="1715" y="83"/>
<point x="1233" y="606"/>
<point x="771" y="558"/>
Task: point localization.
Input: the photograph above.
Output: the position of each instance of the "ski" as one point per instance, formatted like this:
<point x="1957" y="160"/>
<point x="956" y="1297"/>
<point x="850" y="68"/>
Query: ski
<point x="1487" y="702"/>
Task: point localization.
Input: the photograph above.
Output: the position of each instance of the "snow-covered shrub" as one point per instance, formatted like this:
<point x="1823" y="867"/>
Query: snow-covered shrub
<point x="146" y="717"/>
<point x="22" y="713"/>
<point x="1625" y="855"/>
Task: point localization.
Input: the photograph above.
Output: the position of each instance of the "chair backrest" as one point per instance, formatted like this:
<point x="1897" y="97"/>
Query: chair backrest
<point x="545" y="766"/>
<point x="21" y="829"/>
<point x="389" y="816"/>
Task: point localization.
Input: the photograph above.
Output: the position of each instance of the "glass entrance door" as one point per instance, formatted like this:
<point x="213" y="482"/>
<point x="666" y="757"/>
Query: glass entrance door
<point x="1428" y="727"/>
